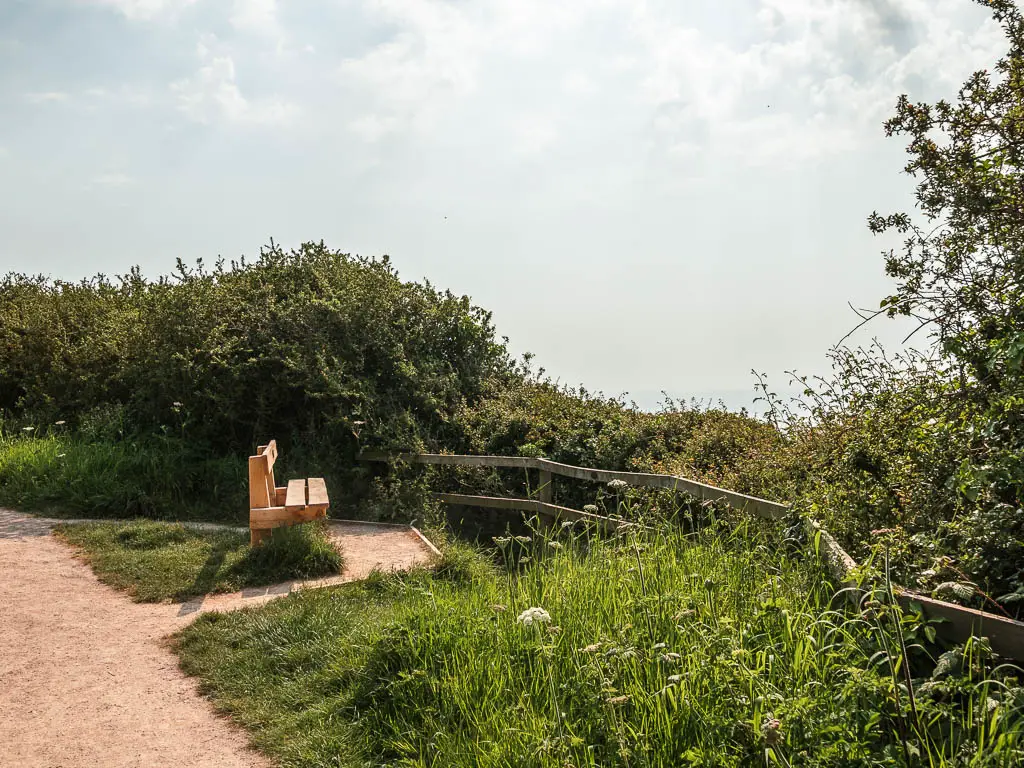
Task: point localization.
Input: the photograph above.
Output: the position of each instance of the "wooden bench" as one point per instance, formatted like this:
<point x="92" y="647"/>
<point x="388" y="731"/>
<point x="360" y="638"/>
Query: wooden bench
<point x="271" y="506"/>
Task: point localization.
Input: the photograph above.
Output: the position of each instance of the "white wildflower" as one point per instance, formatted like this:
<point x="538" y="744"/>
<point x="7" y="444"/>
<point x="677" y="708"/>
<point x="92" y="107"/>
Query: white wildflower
<point x="523" y="539"/>
<point x="60" y="423"/>
<point x="554" y="545"/>
<point x="590" y="508"/>
<point x="28" y="429"/>
<point x="531" y="615"/>
<point x="674" y="678"/>
<point x="618" y="485"/>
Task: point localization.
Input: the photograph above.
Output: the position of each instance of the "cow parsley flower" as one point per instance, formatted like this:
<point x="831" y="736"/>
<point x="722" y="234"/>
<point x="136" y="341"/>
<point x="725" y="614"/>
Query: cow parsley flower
<point x="618" y="485"/>
<point x="531" y="615"/>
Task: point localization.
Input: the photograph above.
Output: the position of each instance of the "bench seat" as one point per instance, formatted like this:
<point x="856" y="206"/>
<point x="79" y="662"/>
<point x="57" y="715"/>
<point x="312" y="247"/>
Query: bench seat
<point x="272" y="506"/>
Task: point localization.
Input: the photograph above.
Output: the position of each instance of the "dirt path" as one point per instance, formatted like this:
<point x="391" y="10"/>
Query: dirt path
<point x="85" y="679"/>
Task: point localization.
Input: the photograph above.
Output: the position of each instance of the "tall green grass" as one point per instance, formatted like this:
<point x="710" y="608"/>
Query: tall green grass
<point x="160" y="477"/>
<point x="713" y="649"/>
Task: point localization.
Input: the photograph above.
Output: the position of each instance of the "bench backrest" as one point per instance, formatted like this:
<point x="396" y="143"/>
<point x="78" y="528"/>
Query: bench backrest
<point x="262" y="489"/>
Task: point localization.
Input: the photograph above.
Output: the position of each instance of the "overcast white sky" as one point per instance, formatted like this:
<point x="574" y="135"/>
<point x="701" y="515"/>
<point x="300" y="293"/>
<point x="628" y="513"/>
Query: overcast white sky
<point x="649" y="195"/>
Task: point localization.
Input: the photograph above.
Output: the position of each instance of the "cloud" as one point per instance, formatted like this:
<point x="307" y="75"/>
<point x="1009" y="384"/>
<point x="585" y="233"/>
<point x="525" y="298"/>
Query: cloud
<point x="805" y="78"/>
<point x="145" y="10"/>
<point x="437" y="56"/>
<point x="47" y="97"/>
<point x="257" y="16"/>
<point x="111" y="180"/>
<point x="579" y="83"/>
<point x="407" y="81"/>
<point x="534" y="134"/>
<point x="813" y="82"/>
<point x="213" y="94"/>
<point x="896" y="25"/>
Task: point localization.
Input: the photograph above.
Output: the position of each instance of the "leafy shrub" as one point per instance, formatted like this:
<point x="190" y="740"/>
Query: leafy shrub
<point x="313" y="347"/>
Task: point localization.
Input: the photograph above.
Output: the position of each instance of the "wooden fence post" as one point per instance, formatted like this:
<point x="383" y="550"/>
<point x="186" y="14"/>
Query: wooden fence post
<point x="546" y="488"/>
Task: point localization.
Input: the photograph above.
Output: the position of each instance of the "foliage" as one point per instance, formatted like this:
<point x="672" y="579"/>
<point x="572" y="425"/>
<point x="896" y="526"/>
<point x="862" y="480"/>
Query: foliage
<point x="929" y="446"/>
<point x="156" y="562"/>
<point x="314" y="347"/>
<point x="528" y="416"/>
<point x="649" y="649"/>
<point x="893" y="458"/>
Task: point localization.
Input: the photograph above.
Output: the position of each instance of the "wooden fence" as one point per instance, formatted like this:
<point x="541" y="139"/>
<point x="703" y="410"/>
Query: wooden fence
<point x="959" y="623"/>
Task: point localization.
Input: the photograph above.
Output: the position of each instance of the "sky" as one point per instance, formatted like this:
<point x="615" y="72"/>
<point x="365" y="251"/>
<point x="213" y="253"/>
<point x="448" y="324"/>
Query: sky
<point x="650" y="196"/>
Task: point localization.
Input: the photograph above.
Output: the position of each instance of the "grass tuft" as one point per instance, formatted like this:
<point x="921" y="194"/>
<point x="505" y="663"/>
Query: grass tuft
<point x="160" y="477"/>
<point x="157" y="562"/>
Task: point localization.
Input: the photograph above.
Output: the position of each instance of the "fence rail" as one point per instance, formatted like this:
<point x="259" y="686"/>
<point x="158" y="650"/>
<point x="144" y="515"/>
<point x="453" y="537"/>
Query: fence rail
<point x="762" y="507"/>
<point x="958" y="622"/>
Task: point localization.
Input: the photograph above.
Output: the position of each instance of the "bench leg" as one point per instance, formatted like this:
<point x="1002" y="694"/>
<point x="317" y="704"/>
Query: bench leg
<point x="257" y="535"/>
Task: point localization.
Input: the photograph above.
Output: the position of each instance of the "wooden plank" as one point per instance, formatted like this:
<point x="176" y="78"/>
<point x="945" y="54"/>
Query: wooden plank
<point x="838" y="561"/>
<point x="280" y="494"/>
<point x="271" y="453"/>
<point x="296" y="497"/>
<point x="262" y="518"/>
<point x="960" y="622"/>
<point x="317" y="491"/>
<point x="306" y="514"/>
<point x="703" y="491"/>
<point x="761" y="507"/>
<point x="1005" y="635"/>
<point x="545" y="489"/>
<point x="259" y="495"/>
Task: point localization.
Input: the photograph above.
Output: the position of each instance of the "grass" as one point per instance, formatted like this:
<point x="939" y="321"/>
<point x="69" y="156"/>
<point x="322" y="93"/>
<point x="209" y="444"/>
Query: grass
<point x="156" y="562"/>
<point x="715" y="649"/>
<point x="160" y="477"/>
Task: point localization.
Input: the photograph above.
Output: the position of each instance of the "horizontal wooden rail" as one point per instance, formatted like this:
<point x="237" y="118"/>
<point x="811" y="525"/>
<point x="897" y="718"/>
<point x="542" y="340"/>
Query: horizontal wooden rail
<point x="762" y="507"/>
<point x="959" y="622"/>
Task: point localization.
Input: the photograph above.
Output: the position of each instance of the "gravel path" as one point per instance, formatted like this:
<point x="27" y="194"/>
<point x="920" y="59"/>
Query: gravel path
<point x="85" y="676"/>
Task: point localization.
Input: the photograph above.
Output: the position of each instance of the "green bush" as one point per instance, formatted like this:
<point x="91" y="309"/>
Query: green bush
<point x="318" y="349"/>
